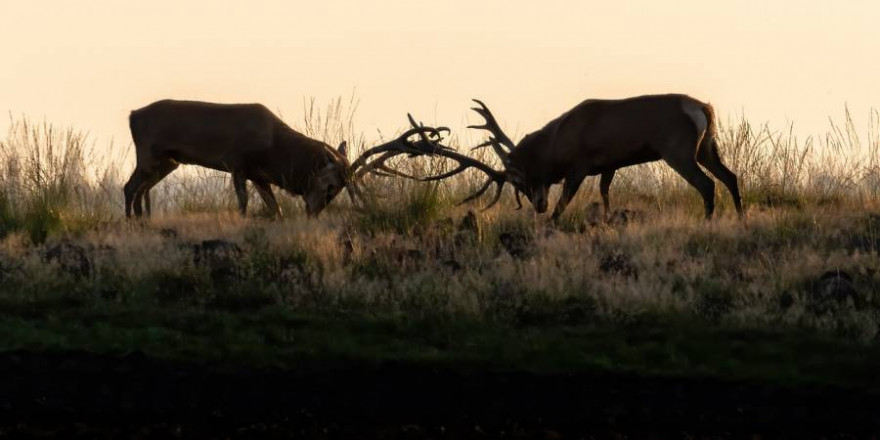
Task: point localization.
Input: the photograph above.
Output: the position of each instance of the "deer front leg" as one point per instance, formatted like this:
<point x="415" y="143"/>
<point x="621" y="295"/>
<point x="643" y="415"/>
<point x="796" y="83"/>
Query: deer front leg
<point x="265" y="192"/>
<point x="240" y="185"/>
<point x="569" y="189"/>
<point x="604" y="185"/>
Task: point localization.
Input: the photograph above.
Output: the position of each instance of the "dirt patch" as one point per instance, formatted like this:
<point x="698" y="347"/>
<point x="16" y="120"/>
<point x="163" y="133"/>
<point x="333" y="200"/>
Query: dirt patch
<point x="78" y="395"/>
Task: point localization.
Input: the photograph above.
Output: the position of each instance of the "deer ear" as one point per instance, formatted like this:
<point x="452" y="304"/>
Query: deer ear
<point x="343" y="149"/>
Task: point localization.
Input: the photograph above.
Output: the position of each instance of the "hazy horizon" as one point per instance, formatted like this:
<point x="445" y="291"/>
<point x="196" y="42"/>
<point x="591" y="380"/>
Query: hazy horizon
<point x="87" y="64"/>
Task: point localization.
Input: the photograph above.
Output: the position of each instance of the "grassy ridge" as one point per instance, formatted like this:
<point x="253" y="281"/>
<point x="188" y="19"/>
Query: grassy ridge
<point x="788" y="295"/>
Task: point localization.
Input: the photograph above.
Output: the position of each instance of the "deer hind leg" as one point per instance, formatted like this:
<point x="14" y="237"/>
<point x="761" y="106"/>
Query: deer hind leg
<point x="569" y="189"/>
<point x="240" y="185"/>
<point x="150" y="179"/>
<point x="265" y="192"/>
<point x="167" y="169"/>
<point x="686" y="166"/>
<point x="709" y="158"/>
<point x="604" y="185"/>
<point x="135" y="182"/>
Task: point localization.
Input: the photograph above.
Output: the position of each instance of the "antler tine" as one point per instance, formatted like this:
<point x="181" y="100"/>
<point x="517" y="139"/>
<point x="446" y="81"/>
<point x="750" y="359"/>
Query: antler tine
<point x="491" y="125"/>
<point x="495" y="146"/>
<point x="479" y="192"/>
<point x="483" y="145"/>
<point x="423" y="133"/>
<point x="464" y="163"/>
<point x="496" y="198"/>
<point x="483" y="190"/>
<point x="445" y="175"/>
<point x="391" y="172"/>
<point x="379" y="163"/>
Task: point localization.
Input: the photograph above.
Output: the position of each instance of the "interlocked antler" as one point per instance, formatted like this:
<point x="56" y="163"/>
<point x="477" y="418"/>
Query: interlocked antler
<point x="430" y="138"/>
<point x="464" y="162"/>
<point x="429" y="141"/>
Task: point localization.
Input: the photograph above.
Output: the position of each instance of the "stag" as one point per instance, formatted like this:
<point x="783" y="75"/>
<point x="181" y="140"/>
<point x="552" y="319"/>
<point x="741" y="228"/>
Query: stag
<point x="598" y="137"/>
<point x="251" y="143"/>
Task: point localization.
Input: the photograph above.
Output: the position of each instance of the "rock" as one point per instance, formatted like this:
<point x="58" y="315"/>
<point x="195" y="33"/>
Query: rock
<point x="168" y="233"/>
<point x="453" y="265"/>
<point x="623" y="217"/>
<point x="619" y="263"/>
<point x="835" y="288"/>
<point x="220" y="256"/>
<point x="519" y="244"/>
<point x="70" y="258"/>
<point x="786" y="300"/>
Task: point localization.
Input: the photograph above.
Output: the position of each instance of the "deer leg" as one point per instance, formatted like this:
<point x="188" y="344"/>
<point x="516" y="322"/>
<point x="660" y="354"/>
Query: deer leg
<point x="265" y="192"/>
<point x="130" y="189"/>
<point x="604" y="185"/>
<point x="139" y="193"/>
<point x="163" y="172"/>
<point x="569" y="189"/>
<point x="709" y="158"/>
<point x="687" y="167"/>
<point x="240" y="185"/>
<point x="143" y="182"/>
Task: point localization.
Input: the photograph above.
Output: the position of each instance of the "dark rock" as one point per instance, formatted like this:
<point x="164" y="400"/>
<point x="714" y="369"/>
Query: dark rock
<point x="210" y="251"/>
<point x="453" y="265"/>
<point x="834" y="289"/>
<point x="168" y="233"/>
<point x="519" y="244"/>
<point x="713" y="304"/>
<point x="70" y="258"/>
<point x="219" y="256"/>
<point x="624" y="216"/>
<point x="786" y="300"/>
<point x="620" y="264"/>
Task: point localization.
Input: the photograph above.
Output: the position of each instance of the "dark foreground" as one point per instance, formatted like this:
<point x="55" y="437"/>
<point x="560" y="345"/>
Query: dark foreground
<point x="79" y="395"/>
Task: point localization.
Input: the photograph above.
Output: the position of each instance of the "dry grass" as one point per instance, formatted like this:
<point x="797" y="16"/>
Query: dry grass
<point x="811" y="209"/>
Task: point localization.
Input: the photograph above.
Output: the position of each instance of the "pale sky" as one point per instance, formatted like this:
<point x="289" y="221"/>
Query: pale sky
<point x="88" y="63"/>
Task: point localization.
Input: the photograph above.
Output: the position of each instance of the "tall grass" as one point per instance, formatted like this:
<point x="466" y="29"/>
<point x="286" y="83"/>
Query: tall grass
<point x="56" y="180"/>
<point x="50" y="183"/>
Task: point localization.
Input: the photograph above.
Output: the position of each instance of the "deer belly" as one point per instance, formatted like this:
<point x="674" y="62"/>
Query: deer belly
<point x="618" y="157"/>
<point x="213" y="160"/>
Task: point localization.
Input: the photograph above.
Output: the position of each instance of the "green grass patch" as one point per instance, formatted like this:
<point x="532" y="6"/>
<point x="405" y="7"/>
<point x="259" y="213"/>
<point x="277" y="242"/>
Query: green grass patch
<point x="283" y="337"/>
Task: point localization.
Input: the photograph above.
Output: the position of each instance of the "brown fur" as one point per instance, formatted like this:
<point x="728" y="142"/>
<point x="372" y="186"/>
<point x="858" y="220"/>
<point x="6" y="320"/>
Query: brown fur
<point x="597" y="137"/>
<point x="246" y="140"/>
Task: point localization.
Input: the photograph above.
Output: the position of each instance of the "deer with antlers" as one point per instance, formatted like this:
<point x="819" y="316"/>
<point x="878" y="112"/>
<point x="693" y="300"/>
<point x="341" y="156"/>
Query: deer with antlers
<point x="251" y="143"/>
<point x="598" y="137"/>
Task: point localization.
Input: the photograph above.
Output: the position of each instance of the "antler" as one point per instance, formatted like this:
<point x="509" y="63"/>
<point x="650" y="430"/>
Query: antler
<point x="498" y="137"/>
<point x="429" y="141"/>
<point x="465" y="162"/>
